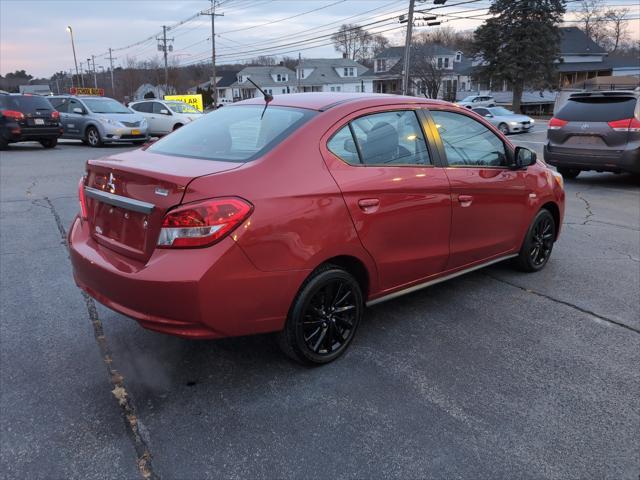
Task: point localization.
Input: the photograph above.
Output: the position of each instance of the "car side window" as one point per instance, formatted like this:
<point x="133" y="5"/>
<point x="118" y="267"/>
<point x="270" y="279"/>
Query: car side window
<point x="481" y="111"/>
<point x="74" y="104"/>
<point x="343" y="146"/>
<point x="467" y="142"/>
<point x="157" y="106"/>
<point x="391" y="138"/>
<point x="144" y="107"/>
<point x="60" y="104"/>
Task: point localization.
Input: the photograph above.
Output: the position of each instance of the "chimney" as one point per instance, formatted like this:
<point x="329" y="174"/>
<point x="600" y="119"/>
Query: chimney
<point x="344" y="55"/>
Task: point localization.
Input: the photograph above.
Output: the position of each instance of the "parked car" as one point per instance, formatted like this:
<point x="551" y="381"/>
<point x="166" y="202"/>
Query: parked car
<point x="595" y="131"/>
<point x="164" y="116"/>
<point x="25" y="118"/>
<point x="477" y="101"/>
<point x="506" y="120"/>
<point x="293" y="222"/>
<point x="99" y="120"/>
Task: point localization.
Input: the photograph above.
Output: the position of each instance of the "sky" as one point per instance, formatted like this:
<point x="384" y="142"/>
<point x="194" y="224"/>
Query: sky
<point x="33" y="34"/>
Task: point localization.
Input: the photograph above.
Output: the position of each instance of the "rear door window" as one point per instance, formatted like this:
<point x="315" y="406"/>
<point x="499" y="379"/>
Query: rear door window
<point x="597" y="109"/>
<point x="144" y="107"/>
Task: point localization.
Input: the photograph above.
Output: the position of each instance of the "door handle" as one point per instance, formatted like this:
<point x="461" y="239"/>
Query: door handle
<point x="465" y="200"/>
<point x="369" y="205"/>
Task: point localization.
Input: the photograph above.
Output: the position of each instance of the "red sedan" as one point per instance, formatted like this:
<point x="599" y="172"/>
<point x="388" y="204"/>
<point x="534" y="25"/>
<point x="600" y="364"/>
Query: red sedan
<point x="294" y="218"/>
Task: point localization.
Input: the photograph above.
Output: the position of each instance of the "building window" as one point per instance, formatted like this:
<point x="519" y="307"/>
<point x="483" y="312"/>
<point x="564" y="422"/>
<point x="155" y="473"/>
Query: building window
<point x="348" y="72"/>
<point x="381" y="65"/>
<point x="284" y="90"/>
<point x="281" y="77"/>
<point x="446" y="62"/>
<point x="301" y="73"/>
<point x="439" y="62"/>
<point x="464" y="86"/>
<point x="357" y="88"/>
<point x="458" y="56"/>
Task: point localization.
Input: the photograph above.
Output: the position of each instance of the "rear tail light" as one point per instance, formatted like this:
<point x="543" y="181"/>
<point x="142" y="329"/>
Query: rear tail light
<point x="82" y="199"/>
<point x="626" y="125"/>
<point x="201" y="224"/>
<point x="55" y="115"/>
<point x="12" y="114"/>
<point x="556" y="123"/>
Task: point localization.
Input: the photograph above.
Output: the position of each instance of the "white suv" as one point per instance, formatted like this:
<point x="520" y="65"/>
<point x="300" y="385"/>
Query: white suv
<point x="164" y="116"/>
<point x="473" y="101"/>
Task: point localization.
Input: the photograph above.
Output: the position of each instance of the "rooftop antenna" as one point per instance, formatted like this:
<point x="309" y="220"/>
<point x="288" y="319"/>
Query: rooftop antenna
<point x="267" y="96"/>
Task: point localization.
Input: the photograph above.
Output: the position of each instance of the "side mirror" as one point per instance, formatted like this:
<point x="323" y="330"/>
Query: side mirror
<point x="350" y="145"/>
<point x="78" y="110"/>
<point x="164" y="111"/>
<point x="524" y="157"/>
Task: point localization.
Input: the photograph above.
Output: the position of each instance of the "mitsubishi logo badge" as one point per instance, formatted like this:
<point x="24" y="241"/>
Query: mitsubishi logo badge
<point x="111" y="183"/>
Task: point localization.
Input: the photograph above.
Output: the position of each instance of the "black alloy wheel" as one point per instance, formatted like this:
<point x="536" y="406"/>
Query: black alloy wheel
<point x="324" y="317"/>
<point x="538" y="244"/>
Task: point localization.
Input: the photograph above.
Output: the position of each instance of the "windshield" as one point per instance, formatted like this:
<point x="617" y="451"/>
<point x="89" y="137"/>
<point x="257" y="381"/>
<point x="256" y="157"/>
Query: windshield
<point x="233" y="134"/>
<point x="181" y="107"/>
<point x="498" y="111"/>
<point x="105" y="105"/>
<point x="468" y="99"/>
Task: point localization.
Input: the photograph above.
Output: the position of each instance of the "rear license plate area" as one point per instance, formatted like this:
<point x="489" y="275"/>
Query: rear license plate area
<point x="121" y="226"/>
<point x="584" y="140"/>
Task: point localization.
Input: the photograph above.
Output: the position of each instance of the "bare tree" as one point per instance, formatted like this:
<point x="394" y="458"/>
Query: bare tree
<point x="617" y="27"/>
<point x="352" y="40"/>
<point x="263" y="60"/>
<point x="425" y="74"/>
<point x="591" y="17"/>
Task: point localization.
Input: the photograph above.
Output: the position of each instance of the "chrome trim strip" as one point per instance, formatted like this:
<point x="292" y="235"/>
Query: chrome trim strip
<point x="420" y="286"/>
<point x="119" y="201"/>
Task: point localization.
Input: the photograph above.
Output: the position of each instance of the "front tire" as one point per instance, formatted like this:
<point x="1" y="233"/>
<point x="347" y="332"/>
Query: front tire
<point x="93" y="137"/>
<point x="177" y="126"/>
<point x="569" y="173"/>
<point x="538" y="244"/>
<point x="323" y="318"/>
<point x="504" y="128"/>
<point x="49" y="142"/>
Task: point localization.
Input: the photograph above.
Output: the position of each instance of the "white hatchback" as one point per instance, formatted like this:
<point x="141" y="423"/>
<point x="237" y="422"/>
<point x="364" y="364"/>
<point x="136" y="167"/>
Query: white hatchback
<point x="165" y="116"/>
<point x="473" y="101"/>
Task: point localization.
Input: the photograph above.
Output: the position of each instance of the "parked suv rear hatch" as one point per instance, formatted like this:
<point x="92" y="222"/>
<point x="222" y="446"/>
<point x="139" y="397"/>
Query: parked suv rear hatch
<point x="128" y="195"/>
<point x="38" y="112"/>
<point x="587" y="125"/>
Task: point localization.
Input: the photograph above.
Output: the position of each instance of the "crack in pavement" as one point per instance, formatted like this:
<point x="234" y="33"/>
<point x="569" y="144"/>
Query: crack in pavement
<point x="565" y="303"/>
<point x="133" y="425"/>
<point x="587" y="206"/>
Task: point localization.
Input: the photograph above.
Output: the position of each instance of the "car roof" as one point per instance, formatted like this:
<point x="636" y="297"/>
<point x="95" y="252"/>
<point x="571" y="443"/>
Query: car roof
<point x="322" y="101"/>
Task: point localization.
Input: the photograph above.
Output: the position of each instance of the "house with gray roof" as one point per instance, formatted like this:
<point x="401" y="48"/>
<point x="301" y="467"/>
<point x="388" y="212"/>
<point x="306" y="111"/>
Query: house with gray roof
<point x="332" y="75"/>
<point x="275" y="80"/>
<point x="453" y="66"/>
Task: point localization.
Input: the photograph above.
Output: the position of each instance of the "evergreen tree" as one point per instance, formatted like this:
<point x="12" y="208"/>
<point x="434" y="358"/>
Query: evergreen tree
<point x="520" y="44"/>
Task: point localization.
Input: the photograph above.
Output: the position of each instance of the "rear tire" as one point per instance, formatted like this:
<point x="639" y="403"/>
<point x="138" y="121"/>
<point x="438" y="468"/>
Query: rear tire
<point x="569" y="173"/>
<point x="49" y="142"/>
<point x="538" y="243"/>
<point x="93" y="137"/>
<point x="504" y="128"/>
<point x="323" y="318"/>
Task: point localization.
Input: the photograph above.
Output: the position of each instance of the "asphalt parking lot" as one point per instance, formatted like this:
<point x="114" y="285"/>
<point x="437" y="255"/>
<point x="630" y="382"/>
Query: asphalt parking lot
<point x="496" y="374"/>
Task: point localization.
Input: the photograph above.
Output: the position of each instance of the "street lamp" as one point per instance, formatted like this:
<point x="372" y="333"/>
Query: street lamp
<point x="73" y="46"/>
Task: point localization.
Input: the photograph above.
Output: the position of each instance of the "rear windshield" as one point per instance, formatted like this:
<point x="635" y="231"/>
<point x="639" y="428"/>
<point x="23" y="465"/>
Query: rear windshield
<point x="25" y="103"/>
<point x="597" y="109"/>
<point x="233" y="134"/>
<point x="105" y="105"/>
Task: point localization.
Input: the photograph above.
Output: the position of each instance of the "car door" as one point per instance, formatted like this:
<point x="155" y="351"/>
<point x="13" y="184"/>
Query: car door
<point x="61" y="104"/>
<point x="75" y="122"/>
<point x="397" y="195"/>
<point x="489" y="198"/>
<point x="161" y="118"/>
<point x="146" y="110"/>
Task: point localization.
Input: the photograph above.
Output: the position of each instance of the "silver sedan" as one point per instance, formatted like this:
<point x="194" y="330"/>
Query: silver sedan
<point x="506" y="121"/>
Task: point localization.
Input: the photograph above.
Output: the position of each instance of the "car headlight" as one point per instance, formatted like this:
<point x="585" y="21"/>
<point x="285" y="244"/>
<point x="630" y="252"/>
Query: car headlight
<point x="108" y="121"/>
<point x="532" y="121"/>
<point x="514" y="123"/>
<point x="143" y="123"/>
<point x="558" y="178"/>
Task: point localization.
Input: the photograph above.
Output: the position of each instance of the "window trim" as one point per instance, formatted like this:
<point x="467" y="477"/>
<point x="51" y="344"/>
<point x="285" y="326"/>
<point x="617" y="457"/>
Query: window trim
<point x="439" y="144"/>
<point x="434" y="155"/>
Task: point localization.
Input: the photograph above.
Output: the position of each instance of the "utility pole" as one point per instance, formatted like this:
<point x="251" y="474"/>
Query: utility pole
<point x="111" y="59"/>
<point x="213" y="49"/>
<point x="95" y="77"/>
<point x="165" y="49"/>
<point x="81" y="75"/>
<point x="407" y="49"/>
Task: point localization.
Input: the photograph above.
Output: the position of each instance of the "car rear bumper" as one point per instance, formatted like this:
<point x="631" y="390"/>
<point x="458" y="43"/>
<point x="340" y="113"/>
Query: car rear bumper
<point x="202" y="293"/>
<point x="17" y="134"/>
<point x="628" y="161"/>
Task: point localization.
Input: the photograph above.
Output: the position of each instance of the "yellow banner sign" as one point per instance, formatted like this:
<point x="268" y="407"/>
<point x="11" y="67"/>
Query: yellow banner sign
<point x="193" y="100"/>
<point x="99" y="92"/>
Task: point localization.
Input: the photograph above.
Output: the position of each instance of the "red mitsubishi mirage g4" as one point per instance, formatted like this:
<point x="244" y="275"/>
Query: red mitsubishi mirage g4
<point x="294" y="218"/>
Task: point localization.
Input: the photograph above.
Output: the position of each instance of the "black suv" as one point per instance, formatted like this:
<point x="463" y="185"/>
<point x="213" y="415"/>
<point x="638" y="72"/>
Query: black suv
<point x="25" y="118"/>
<point x="595" y="131"/>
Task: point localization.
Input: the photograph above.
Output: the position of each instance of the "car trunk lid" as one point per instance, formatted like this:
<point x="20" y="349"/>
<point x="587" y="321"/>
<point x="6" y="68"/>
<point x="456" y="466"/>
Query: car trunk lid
<point x="129" y="194"/>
